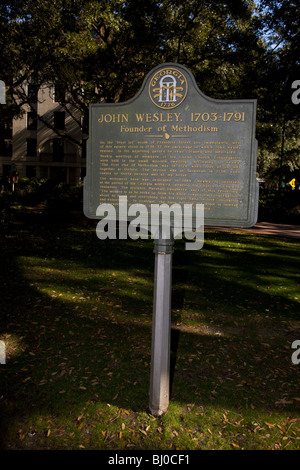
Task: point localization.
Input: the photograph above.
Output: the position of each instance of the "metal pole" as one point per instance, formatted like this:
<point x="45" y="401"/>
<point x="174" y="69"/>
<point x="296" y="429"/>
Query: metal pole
<point x="161" y="326"/>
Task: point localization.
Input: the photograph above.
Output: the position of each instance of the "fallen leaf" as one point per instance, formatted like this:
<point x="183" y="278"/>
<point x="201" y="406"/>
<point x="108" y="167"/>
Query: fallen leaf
<point x="270" y="425"/>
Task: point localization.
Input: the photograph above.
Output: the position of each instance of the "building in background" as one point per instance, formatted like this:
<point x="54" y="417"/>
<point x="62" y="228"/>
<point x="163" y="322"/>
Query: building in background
<point x="47" y="141"/>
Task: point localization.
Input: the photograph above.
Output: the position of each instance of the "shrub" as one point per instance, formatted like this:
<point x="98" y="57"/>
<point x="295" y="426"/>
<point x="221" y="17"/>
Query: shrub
<point x="64" y="198"/>
<point x="279" y="206"/>
<point x="6" y="213"/>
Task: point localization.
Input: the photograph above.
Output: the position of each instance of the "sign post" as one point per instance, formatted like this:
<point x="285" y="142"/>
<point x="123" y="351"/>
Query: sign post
<point x="170" y="145"/>
<point x="161" y="326"/>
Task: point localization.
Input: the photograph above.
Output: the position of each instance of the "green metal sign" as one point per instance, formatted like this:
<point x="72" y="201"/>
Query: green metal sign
<point x="171" y="144"/>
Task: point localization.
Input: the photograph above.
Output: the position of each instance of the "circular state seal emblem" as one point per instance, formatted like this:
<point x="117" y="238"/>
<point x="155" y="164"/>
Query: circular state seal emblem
<point x="168" y="88"/>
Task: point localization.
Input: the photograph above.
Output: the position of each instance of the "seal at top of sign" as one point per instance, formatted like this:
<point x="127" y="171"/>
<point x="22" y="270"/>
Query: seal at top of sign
<point x="168" y="87"/>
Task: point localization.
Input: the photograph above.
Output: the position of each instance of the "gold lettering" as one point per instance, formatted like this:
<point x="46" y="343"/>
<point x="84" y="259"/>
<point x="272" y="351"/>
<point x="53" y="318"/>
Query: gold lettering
<point x="157" y="117"/>
<point x="188" y="128"/>
<point x="108" y="118"/>
<point x="136" y="129"/>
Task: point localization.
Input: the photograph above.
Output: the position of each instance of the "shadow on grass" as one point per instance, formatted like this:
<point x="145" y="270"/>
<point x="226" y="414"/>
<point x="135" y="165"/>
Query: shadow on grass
<point x="77" y="316"/>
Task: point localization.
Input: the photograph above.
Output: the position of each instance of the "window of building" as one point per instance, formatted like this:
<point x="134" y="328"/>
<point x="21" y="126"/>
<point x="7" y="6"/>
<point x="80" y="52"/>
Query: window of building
<point x="6" y="169"/>
<point x="83" y="148"/>
<point x="32" y="92"/>
<point x="6" y="147"/>
<point x="58" y="150"/>
<point x="32" y="121"/>
<point x="30" y="171"/>
<point x="59" y="94"/>
<point x="59" y="120"/>
<point x="31" y="147"/>
<point x="82" y="173"/>
<point x="5" y="125"/>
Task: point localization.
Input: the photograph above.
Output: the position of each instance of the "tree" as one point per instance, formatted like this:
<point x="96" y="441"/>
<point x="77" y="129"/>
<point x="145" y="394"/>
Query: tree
<point x="102" y="50"/>
<point x="279" y="155"/>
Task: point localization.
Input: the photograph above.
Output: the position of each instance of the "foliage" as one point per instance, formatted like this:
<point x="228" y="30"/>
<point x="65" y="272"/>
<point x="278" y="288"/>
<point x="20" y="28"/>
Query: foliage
<point x="55" y="196"/>
<point x="278" y="116"/>
<point x="102" y="51"/>
<point x="64" y="198"/>
<point x="6" y="213"/>
<point x="279" y="151"/>
<point x="279" y="206"/>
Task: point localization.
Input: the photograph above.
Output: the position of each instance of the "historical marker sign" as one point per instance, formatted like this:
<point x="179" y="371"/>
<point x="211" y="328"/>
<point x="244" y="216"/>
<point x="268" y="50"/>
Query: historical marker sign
<point x="172" y="144"/>
<point x="169" y="145"/>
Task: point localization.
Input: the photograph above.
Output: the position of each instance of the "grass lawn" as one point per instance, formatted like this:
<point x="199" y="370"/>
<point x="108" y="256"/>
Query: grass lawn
<point x="76" y="316"/>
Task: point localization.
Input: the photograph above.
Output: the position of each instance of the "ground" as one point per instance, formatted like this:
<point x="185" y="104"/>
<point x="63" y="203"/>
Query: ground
<point x="78" y="316"/>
